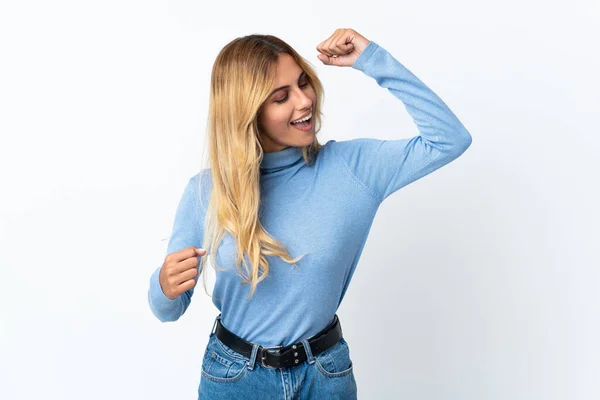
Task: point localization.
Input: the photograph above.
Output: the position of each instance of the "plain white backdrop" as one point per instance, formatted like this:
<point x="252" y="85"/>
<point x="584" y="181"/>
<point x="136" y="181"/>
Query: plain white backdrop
<point x="479" y="281"/>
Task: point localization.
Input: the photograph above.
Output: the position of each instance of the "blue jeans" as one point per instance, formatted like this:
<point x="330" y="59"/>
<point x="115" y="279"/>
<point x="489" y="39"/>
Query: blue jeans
<point x="227" y="374"/>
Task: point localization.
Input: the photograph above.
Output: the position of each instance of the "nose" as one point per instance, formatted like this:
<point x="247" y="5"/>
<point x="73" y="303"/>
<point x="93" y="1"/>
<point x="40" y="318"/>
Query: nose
<point x="304" y="101"/>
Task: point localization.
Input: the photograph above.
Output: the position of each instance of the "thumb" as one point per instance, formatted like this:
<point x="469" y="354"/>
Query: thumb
<point x="325" y="59"/>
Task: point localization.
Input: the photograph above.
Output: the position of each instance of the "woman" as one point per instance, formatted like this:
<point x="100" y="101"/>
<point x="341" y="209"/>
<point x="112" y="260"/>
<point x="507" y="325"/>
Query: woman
<point x="274" y="191"/>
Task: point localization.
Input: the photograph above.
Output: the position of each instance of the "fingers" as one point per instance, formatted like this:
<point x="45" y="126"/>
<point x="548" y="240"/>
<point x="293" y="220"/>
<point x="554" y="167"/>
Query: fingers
<point x="185" y="254"/>
<point x="326" y="47"/>
<point x="185" y="265"/>
<point x="179" y="271"/>
<point x="339" y="43"/>
<point x="179" y="289"/>
<point x="187" y="285"/>
<point x="184" y="276"/>
<point x="182" y="261"/>
<point x="174" y="283"/>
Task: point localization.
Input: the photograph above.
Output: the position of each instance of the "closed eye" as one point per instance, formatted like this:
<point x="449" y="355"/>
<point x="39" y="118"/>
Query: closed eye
<point x="286" y="96"/>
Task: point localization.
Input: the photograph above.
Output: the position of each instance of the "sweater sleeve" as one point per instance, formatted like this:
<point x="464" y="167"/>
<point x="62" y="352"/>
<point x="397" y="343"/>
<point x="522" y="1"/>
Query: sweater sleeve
<point x="187" y="231"/>
<point x="384" y="166"/>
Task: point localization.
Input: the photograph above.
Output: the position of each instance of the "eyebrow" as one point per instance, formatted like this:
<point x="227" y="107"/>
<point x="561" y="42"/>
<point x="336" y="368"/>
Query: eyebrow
<point x="287" y="86"/>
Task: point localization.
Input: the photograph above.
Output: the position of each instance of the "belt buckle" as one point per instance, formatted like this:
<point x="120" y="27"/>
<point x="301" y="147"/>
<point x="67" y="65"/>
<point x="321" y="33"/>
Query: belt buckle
<point x="262" y="357"/>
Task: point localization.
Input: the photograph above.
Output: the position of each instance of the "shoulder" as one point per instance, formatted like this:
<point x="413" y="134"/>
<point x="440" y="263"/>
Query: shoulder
<point x="204" y="177"/>
<point x="351" y="144"/>
<point x="347" y="150"/>
<point x="201" y="184"/>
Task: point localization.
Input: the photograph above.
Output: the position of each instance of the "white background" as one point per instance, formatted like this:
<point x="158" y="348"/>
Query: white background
<point x="479" y="281"/>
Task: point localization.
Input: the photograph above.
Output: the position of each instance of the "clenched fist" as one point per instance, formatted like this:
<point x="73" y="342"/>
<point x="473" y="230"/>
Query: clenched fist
<point x="179" y="270"/>
<point x="342" y="48"/>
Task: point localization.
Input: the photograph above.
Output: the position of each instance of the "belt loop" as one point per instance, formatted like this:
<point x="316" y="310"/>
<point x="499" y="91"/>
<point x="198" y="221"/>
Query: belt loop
<point x="252" y="360"/>
<point x="309" y="355"/>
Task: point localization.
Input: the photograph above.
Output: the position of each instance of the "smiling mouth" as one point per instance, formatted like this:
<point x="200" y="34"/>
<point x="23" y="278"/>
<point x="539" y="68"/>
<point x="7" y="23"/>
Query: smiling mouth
<point x="304" y="126"/>
<point x="309" y="113"/>
<point x="303" y="122"/>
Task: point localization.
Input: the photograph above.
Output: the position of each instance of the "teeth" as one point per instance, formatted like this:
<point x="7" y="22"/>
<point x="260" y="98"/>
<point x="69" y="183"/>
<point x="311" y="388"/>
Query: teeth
<point x="303" y="119"/>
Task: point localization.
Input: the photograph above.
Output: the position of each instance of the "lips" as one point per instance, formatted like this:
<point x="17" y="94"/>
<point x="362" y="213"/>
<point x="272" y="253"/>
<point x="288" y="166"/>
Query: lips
<point x="305" y="127"/>
<point x="304" y="116"/>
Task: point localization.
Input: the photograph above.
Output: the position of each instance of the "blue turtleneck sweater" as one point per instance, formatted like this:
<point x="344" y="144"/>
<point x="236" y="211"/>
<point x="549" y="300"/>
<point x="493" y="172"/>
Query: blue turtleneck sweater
<point x="324" y="210"/>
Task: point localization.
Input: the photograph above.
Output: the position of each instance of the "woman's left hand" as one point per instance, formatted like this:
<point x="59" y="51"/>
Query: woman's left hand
<point x="342" y="48"/>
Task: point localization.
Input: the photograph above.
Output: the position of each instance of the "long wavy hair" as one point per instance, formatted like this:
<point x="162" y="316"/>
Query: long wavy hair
<point x="243" y="75"/>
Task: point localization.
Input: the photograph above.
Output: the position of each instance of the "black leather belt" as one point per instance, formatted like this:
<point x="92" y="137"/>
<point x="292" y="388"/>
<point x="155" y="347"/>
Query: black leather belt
<point x="286" y="356"/>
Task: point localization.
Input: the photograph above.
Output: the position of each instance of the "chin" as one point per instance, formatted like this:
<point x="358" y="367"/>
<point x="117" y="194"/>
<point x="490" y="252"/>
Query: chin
<point x="308" y="139"/>
<point x="302" y="140"/>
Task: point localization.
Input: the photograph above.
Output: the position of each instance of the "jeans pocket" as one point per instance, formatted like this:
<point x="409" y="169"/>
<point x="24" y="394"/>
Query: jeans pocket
<point x="221" y="364"/>
<point x="335" y="361"/>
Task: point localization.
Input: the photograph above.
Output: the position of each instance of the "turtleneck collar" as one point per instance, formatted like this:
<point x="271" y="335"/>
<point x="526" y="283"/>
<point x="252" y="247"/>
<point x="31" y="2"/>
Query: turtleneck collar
<point x="278" y="160"/>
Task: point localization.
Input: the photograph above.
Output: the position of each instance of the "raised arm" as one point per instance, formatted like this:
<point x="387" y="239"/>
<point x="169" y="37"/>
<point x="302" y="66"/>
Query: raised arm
<point x="384" y="166"/>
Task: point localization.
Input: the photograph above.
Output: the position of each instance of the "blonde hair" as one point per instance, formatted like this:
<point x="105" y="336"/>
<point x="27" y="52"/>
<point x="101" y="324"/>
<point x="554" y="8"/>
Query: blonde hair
<point x="242" y="78"/>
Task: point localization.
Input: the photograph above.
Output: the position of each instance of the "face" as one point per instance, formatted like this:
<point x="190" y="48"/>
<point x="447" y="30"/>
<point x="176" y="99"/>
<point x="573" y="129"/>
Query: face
<point x="292" y="98"/>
